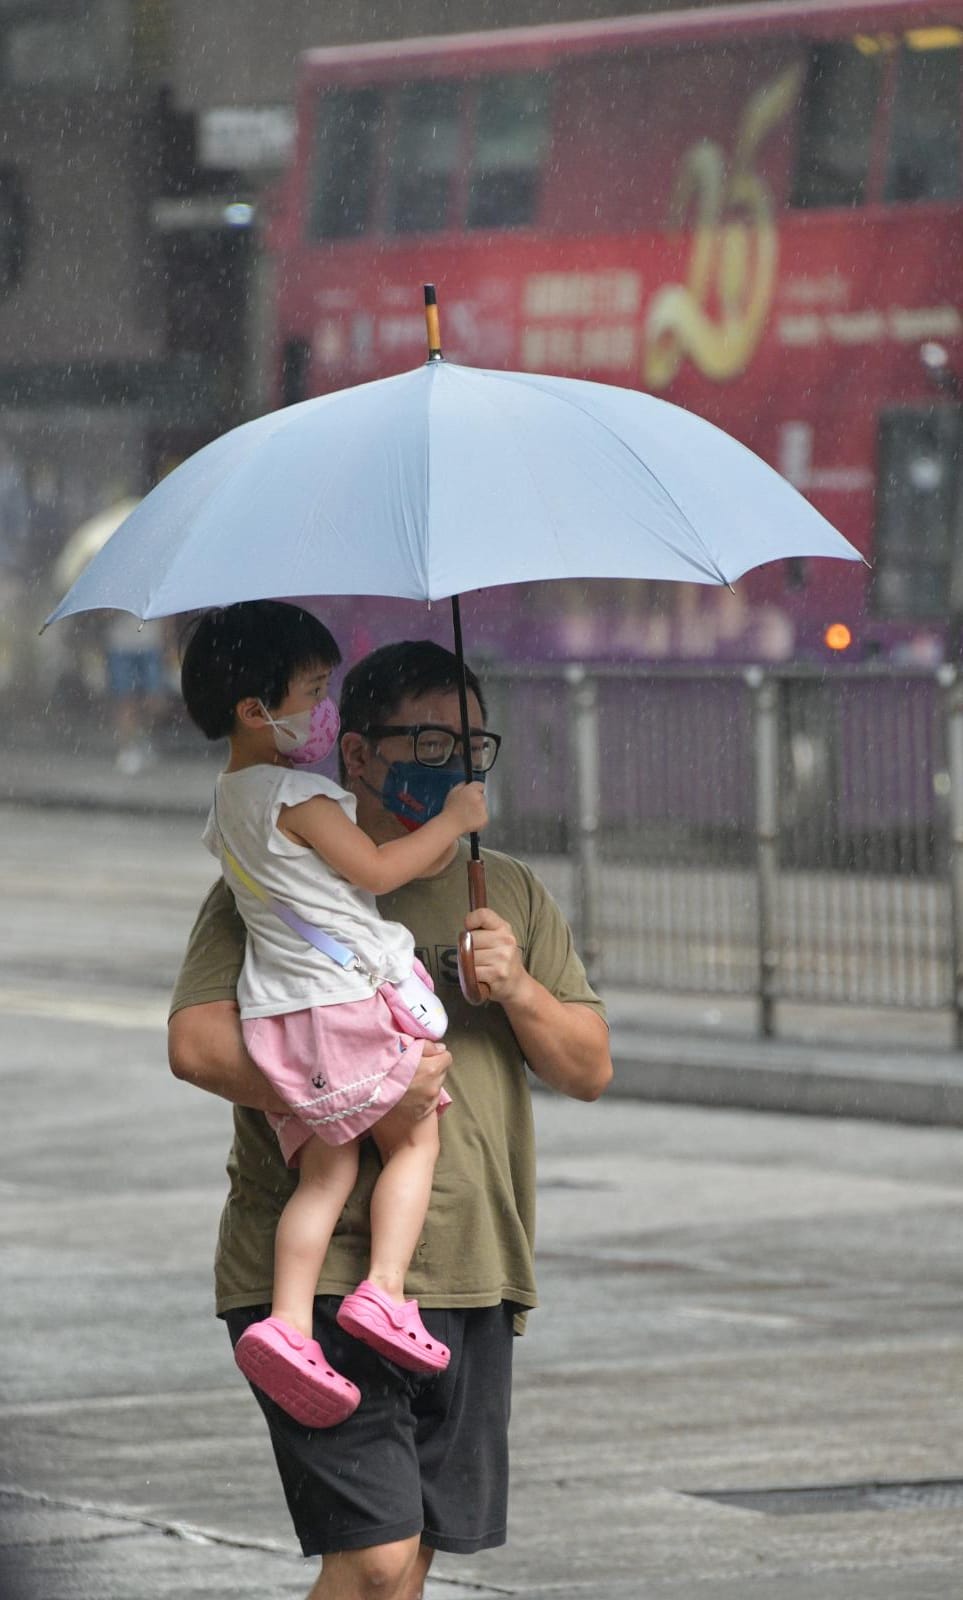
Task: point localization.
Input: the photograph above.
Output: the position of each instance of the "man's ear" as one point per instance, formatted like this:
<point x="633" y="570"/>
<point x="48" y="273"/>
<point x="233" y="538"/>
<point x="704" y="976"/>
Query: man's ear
<point x="354" y="753"/>
<point x="249" y="714"/>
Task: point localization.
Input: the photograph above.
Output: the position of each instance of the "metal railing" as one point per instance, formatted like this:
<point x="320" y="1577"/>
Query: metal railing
<point x="783" y="834"/>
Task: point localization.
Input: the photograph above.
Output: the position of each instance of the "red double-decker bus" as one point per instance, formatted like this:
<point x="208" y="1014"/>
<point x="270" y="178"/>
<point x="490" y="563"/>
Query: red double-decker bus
<point x="753" y="211"/>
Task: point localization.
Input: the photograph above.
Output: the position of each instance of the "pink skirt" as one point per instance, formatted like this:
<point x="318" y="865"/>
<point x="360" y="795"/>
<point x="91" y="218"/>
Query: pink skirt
<point x="340" y="1068"/>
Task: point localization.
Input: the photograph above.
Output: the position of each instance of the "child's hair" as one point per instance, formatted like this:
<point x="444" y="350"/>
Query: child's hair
<point x="251" y="650"/>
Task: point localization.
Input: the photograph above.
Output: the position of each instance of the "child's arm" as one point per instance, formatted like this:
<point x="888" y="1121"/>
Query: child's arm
<point x="379" y="868"/>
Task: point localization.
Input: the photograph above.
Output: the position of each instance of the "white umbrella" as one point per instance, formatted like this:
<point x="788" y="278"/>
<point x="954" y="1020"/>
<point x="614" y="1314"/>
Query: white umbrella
<point x="450" y="478"/>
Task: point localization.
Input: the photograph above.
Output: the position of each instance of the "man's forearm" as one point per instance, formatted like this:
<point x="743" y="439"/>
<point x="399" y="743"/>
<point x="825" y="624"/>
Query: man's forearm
<point x="566" y="1045"/>
<point x="205" y="1047"/>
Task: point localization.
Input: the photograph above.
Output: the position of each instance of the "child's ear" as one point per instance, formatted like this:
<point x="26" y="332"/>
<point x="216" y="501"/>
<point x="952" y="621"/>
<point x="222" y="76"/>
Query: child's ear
<point x="249" y="714"/>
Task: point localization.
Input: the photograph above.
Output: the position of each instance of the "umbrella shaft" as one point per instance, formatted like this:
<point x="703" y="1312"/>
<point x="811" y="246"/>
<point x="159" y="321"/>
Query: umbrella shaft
<point x="463" y="709"/>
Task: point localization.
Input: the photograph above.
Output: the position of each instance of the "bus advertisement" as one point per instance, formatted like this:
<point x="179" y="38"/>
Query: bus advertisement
<point x="752" y="211"/>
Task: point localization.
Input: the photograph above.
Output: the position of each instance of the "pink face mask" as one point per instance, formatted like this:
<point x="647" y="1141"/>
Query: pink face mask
<point x="307" y="738"/>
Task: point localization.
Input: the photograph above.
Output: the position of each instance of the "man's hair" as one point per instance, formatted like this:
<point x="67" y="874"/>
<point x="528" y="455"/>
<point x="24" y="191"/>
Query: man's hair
<point x="377" y="684"/>
<point x="248" y="651"/>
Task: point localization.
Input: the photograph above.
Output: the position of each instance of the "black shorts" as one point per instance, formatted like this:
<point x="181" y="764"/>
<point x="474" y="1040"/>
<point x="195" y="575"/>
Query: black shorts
<point x="425" y="1456"/>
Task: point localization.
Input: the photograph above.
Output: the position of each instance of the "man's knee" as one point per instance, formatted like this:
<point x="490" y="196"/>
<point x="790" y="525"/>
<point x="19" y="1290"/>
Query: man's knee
<point x="382" y="1572"/>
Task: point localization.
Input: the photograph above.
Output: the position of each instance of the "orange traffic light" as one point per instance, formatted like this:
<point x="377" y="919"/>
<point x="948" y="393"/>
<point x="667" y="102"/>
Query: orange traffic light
<point x="838" y="636"/>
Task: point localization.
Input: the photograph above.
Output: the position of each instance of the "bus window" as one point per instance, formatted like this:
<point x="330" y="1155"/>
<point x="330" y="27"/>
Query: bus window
<point x="511" y="129"/>
<point x="924" y="150"/>
<point x="836" y="125"/>
<point x="424" y="157"/>
<point x="343" y="166"/>
<point x="916" y="509"/>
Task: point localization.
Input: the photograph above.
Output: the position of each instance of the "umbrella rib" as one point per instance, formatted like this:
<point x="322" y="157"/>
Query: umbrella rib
<point x="567" y="400"/>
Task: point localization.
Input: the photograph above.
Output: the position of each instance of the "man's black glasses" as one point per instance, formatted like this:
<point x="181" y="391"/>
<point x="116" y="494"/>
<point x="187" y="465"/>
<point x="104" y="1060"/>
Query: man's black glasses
<point x="434" y="746"/>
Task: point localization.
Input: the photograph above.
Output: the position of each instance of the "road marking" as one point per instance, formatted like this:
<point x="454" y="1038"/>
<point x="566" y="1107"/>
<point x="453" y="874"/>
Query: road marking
<point x="117" y="1513"/>
<point x="98" y="1010"/>
<point x="192" y="1533"/>
<point x="763" y="1318"/>
<point x="119" y="1402"/>
<point x="105" y="882"/>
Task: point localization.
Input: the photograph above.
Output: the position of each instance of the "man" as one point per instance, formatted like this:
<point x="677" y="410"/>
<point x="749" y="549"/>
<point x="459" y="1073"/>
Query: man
<point x="422" y="1465"/>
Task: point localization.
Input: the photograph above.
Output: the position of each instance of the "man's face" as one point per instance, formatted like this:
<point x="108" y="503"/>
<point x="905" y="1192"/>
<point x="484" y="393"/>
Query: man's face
<point x="367" y="760"/>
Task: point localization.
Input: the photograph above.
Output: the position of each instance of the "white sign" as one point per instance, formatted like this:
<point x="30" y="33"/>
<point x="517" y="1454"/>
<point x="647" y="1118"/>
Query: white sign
<point x="246" y="136"/>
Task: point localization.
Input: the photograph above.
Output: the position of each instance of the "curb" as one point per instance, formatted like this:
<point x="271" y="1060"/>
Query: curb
<point x="827" y="1079"/>
<point x="173" y="786"/>
<point x="925" y="1089"/>
<point x="131" y="805"/>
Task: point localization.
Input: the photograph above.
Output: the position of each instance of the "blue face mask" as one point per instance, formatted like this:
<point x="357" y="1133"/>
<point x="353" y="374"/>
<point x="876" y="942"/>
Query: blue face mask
<point x="414" y="794"/>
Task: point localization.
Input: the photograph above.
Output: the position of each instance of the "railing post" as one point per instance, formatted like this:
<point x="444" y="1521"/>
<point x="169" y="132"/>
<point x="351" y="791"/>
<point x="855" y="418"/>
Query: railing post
<point x="584" y="737"/>
<point x="950" y="680"/>
<point x="765" y="721"/>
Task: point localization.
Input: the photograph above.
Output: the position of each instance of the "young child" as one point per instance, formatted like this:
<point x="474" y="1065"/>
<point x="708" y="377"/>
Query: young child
<point x="338" y="1030"/>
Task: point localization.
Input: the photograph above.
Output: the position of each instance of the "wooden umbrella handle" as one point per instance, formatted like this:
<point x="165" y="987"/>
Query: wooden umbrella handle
<point x="475" y="993"/>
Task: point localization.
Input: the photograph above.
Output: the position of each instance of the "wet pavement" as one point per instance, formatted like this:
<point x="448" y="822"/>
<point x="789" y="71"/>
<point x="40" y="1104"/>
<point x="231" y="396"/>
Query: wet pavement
<point x="732" y="1302"/>
<point x="749" y="1320"/>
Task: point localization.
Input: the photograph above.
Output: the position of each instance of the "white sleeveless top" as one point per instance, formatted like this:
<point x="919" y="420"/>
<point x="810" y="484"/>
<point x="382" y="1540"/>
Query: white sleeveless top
<point x="282" y="972"/>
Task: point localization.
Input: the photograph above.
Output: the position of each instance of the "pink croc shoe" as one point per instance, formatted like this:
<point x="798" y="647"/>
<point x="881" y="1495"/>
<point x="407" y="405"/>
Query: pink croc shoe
<point x="394" y="1331"/>
<point x="295" y="1372"/>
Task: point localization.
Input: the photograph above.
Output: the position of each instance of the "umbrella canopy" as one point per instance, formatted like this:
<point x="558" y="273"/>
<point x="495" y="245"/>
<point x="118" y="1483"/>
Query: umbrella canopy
<point x="450" y="478"/>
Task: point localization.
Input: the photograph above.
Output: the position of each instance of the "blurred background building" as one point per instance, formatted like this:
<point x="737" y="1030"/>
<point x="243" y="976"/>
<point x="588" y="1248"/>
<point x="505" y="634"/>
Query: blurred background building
<point x="756" y="217"/>
<point x="137" y="140"/>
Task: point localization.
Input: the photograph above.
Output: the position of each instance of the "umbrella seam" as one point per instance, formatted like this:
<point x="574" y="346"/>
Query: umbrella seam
<point x="486" y="400"/>
<point x="433" y="367"/>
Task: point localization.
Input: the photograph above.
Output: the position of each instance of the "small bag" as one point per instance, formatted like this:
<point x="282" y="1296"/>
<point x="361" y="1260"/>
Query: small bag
<point x="415" y="1006"/>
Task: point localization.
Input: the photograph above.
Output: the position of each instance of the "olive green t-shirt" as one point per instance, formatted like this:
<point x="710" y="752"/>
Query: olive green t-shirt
<point x="478" y="1242"/>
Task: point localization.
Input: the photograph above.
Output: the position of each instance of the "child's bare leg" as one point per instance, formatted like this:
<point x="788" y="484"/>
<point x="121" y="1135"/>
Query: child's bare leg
<point x="399" y="1201"/>
<point x="327" y="1177"/>
<point x="377" y="1313"/>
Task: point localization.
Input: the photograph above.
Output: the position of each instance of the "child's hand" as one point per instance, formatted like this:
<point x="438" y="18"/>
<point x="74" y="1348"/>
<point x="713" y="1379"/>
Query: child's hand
<point x="466" y="806"/>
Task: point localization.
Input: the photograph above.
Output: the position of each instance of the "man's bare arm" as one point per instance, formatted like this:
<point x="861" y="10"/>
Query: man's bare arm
<point x="565" y="1044"/>
<point x="205" y="1047"/>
